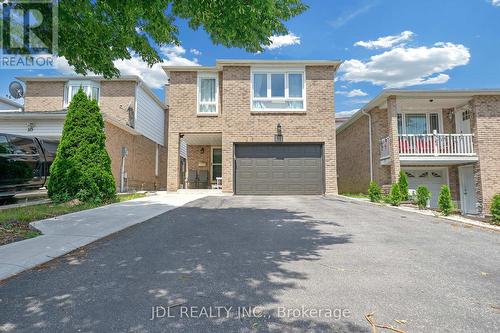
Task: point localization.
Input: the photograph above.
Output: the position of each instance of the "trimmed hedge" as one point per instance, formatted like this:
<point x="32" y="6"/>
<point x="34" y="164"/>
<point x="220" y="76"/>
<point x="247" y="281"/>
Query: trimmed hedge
<point x="394" y="197"/>
<point x="422" y="197"/>
<point x="445" y="202"/>
<point x="82" y="167"/>
<point x="403" y="185"/>
<point x="374" y="192"/>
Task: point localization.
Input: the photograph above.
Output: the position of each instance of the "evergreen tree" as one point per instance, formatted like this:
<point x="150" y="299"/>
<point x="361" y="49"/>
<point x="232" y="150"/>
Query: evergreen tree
<point x="445" y="203"/>
<point x="82" y="167"/>
<point x="403" y="185"/>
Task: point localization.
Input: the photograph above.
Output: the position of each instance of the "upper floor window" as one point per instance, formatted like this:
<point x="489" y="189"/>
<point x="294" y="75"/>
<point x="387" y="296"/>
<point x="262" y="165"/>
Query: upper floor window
<point x="208" y="91"/>
<point x="278" y="90"/>
<point x="418" y="123"/>
<point x="91" y="88"/>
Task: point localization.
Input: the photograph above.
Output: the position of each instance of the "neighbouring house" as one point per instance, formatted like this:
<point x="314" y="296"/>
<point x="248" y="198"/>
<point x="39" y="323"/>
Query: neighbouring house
<point x="7" y="105"/>
<point x="254" y="126"/>
<point x="437" y="137"/>
<point x="135" y="123"/>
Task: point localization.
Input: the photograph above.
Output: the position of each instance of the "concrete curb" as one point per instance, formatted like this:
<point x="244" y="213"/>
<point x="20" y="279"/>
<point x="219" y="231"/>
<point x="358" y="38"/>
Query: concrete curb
<point x="65" y="233"/>
<point x="459" y="219"/>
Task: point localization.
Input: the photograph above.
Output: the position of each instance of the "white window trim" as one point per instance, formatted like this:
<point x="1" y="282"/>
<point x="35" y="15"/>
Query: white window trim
<point x="207" y="75"/>
<point x="427" y="120"/>
<point x="212" y="161"/>
<point x="278" y="70"/>
<point x="82" y="83"/>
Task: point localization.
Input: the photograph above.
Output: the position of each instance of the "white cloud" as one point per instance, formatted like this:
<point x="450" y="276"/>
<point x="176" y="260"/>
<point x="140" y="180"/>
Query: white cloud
<point x="387" y="41"/>
<point x="343" y="114"/>
<point x="353" y="93"/>
<point x="153" y="76"/>
<point x="403" y="67"/>
<point x="282" y="41"/>
<point x="495" y="3"/>
<point x="196" y="52"/>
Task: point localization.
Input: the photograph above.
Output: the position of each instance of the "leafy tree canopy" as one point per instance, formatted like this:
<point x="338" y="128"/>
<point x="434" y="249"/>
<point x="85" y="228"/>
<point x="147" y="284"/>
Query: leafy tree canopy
<point x="93" y="33"/>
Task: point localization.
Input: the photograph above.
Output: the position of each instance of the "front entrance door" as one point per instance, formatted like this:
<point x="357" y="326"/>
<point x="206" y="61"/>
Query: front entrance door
<point x="468" y="199"/>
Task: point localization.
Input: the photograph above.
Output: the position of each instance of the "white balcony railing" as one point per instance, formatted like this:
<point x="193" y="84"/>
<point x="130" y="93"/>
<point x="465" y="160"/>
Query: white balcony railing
<point x="430" y="145"/>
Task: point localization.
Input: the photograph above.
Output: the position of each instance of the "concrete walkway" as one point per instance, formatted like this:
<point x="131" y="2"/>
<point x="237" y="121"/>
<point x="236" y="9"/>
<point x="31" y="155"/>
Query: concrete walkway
<point x="66" y="233"/>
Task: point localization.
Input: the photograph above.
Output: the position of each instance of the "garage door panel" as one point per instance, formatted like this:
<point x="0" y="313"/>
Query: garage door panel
<point x="279" y="169"/>
<point x="433" y="179"/>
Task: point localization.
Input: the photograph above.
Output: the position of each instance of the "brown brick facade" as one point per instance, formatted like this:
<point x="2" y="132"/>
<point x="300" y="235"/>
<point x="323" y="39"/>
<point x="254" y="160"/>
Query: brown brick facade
<point x="238" y="124"/>
<point x="354" y="166"/>
<point x="485" y="125"/>
<point x="115" y="97"/>
<point x="44" y="96"/>
<point x="140" y="162"/>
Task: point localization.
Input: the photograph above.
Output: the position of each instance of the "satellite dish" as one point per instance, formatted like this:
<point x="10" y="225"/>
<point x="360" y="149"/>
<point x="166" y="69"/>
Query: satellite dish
<point x="16" y="89"/>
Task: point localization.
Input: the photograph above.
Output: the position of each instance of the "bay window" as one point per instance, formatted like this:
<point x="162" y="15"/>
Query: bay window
<point x="276" y="90"/>
<point x="90" y="88"/>
<point x="207" y="93"/>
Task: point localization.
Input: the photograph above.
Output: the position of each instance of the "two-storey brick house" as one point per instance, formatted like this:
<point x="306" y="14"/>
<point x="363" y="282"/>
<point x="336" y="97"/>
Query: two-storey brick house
<point x="436" y="137"/>
<point x="135" y="123"/>
<point x="257" y="127"/>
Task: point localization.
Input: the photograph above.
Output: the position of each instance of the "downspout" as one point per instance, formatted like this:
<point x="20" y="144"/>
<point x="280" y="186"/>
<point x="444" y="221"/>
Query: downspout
<point x="370" y="141"/>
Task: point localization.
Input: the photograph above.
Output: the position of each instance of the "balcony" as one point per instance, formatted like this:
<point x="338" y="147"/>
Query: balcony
<point x="431" y="148"/>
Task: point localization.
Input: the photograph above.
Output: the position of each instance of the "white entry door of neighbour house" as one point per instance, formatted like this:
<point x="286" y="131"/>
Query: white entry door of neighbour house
<point x="462" y="121"/>
<point x="432" y="178"/>
<point x="468" y="200"/>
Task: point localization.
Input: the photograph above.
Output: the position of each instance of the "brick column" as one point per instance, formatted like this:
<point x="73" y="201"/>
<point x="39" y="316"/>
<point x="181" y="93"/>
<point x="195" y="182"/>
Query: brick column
<point x="392" y="111"/>
<point x="173" y="162"/>
<point x="227" y="164"/>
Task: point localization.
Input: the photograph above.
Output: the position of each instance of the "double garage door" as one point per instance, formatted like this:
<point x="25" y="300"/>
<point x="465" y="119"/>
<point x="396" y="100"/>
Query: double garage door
<point x="279" y="169"/>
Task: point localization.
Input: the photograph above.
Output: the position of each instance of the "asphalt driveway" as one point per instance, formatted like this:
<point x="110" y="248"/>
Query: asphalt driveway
<point x="267" y="264"/>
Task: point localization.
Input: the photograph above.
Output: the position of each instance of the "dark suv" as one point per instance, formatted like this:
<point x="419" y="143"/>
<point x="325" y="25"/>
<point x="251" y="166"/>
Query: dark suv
<point x="24" y="162"/>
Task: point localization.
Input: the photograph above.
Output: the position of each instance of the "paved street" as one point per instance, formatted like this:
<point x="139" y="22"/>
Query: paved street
<point x="276" y="256"/>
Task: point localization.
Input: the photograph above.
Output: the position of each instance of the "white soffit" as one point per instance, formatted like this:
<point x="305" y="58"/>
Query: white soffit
<point x="438" y="103"/>
<point x="203" y="139"/>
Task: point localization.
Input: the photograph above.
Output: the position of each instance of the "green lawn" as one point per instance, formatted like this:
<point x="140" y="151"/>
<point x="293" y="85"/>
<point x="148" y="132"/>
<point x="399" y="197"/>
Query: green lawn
<point x="14" y="222"/>
<point x="356" y="195"/>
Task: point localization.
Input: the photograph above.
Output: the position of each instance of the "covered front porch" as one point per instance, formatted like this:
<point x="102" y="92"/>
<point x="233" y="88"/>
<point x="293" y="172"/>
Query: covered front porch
<point x="432" y="129"/>
<point x="200" y="161"/>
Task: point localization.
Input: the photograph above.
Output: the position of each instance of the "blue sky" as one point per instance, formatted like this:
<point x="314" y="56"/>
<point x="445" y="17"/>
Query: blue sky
<point x="425" y="44"/>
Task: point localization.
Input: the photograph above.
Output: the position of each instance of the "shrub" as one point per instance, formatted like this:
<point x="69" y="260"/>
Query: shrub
<point x="422" y="197"/>
<point x="445" y="203"/>
<point x="82" y="167"/>
<point x="374" y="192"/>
<point x="395" y="195"/>
<point x="495" y="208"/>
<point x="403" y="185"/>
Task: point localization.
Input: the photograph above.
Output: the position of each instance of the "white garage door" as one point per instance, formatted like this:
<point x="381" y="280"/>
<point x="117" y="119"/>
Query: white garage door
<point x="433" y="179"/>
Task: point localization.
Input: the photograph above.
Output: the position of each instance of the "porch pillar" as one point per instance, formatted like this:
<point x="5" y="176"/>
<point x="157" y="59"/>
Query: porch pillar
<point x="173" y="162"/>
<point x="392" y="115"/>
<point x="227" y="164"/>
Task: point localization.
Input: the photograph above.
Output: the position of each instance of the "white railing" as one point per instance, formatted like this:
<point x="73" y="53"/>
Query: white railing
<point x="436" y="144"/>
<point x="385" y="146"/>
<point x="431" y="145"/>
